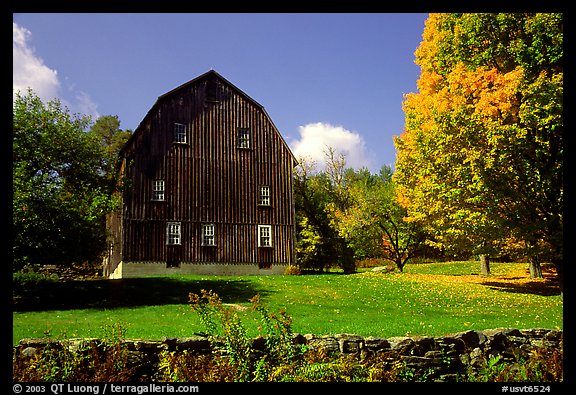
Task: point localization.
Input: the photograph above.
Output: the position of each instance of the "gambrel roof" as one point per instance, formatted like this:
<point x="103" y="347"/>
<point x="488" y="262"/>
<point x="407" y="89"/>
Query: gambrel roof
<point x="209" y="74"/>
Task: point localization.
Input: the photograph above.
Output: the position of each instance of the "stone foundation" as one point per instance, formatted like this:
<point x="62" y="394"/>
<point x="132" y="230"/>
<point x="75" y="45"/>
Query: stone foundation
<point x="144" y="269"/>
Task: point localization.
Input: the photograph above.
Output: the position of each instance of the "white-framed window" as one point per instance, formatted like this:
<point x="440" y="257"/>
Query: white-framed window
<point x="208" y="235"/>
<point x="179" y="133"/>
<point x="264" y="195"/>
<point x="264" y="235"/>
<point x="158" y="190"/>
<point x="173" y="233"/>
<point x="244" y="138"/>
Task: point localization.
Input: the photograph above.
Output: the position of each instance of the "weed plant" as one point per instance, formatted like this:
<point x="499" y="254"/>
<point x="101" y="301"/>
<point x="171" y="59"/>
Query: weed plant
<point x="78" y="361"/>
<point x="223" y="324"/>
<point x="543" y="365"/>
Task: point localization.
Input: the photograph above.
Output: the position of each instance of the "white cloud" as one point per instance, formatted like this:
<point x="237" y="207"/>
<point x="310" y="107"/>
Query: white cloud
<point x="85" y="105"/>
<point x="315" y="138"/>
<point x="29" y="71"/>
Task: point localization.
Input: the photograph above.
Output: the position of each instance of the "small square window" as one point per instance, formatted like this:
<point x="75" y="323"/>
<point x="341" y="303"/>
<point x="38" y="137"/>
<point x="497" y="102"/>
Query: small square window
<point x="179" y="133"/>
<point x="173" y="235"/>
<point x="244" y="138"/>
<point x="158" y="190"/>
<point x="264" y="235"/>
<point x="264" y="195"/>
<point x="208" y="235"/>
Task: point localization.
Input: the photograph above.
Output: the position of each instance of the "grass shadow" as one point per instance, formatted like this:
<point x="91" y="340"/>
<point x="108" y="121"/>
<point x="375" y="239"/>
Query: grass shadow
<point x="542" y="288"/>
<point x="548" y="286"/>
<point x="129" y="292"/>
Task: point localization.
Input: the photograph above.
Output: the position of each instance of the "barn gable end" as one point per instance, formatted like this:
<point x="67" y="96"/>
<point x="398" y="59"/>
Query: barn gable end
<point x="208" y="188"/>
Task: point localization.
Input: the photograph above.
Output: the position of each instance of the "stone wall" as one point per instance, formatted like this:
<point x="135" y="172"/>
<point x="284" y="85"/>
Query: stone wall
<point x="442" y="357"/>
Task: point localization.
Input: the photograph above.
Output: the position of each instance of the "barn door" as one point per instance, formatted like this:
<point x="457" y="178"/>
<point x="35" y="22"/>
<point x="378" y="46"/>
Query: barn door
<point x="265" y="258"/>
<point x="173" y="256"/>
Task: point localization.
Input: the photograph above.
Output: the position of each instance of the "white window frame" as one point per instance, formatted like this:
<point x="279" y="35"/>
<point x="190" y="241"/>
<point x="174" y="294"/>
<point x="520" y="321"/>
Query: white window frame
<point x="264" y="235"/>
<point x="173" y="233"/>
<point x="264" y="195"/>
<point x="179" y="133"/>
<point x="243" y="136"/>
<point x="208" y="235"/>
<point x="158" y="190"/>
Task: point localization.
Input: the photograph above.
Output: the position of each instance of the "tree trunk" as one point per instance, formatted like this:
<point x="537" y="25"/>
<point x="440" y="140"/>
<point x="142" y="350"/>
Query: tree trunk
<point x="535" y="268"/>
<point x="400" y="265"/>
<point x="484" y="264"/>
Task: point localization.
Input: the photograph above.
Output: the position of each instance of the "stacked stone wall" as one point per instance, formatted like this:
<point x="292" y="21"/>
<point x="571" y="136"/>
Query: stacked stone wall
<point x="442" y="356"/>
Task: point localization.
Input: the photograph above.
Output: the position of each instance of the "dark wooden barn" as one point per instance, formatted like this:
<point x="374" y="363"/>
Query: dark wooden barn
<point x="208" y="188"/>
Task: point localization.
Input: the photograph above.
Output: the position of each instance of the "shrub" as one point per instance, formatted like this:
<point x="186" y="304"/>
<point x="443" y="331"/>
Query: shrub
<point x="81" y="361"/>
<point x="27" y="279"/>
<point x="176" y="366"/>
<point x="292" y="270"/>
<point x="542" y="365"/>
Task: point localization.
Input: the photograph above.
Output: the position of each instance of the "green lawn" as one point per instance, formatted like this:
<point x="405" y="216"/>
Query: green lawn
<point x="427" y="299"/>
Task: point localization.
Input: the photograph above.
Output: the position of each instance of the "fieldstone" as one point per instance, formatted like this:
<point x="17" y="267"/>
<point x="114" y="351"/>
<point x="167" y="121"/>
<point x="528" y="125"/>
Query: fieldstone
<point x="511" y="332"/>
<point x="534" y="333"/>
<point x="298" y="338"/>
<point x="38" y="343"/>
<point x="169" y="342"/>
<point x="310" y="336"/>
<point x="259" y="343"/>
<point x="328" y="343"/>
<point x="497" y="340"/>
<point x="553" y="338"/>
<point x="471" y="339"/>
<point x="422" y="345"/>
<point x="401" y="344"/>
<point x="75" y="345"/>
<point x="475" y="357"/>
<point x="349" y="343"/>
<point x="450" y="346"/>
<point x="136" y="359"/>
<point x="436" y="355"/>
<point x="420" y="363"/>
<point x="28" y="352"/>
<point x="376" y="343"/>
<point x="193" y="343"/>
<point x="148" y="345"/>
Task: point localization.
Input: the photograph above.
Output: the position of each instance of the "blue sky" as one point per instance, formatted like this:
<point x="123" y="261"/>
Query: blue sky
<point x="324" y="79"/>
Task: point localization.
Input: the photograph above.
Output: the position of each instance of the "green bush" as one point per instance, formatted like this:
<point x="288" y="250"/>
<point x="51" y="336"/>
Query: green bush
<point x="27" y="279"/>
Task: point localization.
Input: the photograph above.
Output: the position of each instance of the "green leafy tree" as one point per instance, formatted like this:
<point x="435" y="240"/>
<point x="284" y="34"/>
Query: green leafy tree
<point x="480" y="160"/>
<point x="61" y="192"/>
<point x="110" y="138"/>
<point x="318" y="243"/>
<point x="374" y="224"/>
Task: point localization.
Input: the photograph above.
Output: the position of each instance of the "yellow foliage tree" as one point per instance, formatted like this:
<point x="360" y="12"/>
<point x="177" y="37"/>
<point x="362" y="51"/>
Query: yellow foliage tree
<point x="480" y="159"/>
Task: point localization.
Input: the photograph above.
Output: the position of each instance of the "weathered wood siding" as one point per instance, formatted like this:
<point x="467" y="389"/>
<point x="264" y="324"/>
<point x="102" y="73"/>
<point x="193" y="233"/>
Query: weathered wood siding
<point x="208" y="179"/>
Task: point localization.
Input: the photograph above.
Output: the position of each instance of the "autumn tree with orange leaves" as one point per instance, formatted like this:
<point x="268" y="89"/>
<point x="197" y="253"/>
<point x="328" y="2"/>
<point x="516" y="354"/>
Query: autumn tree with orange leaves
<point x="480" y="159"/>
